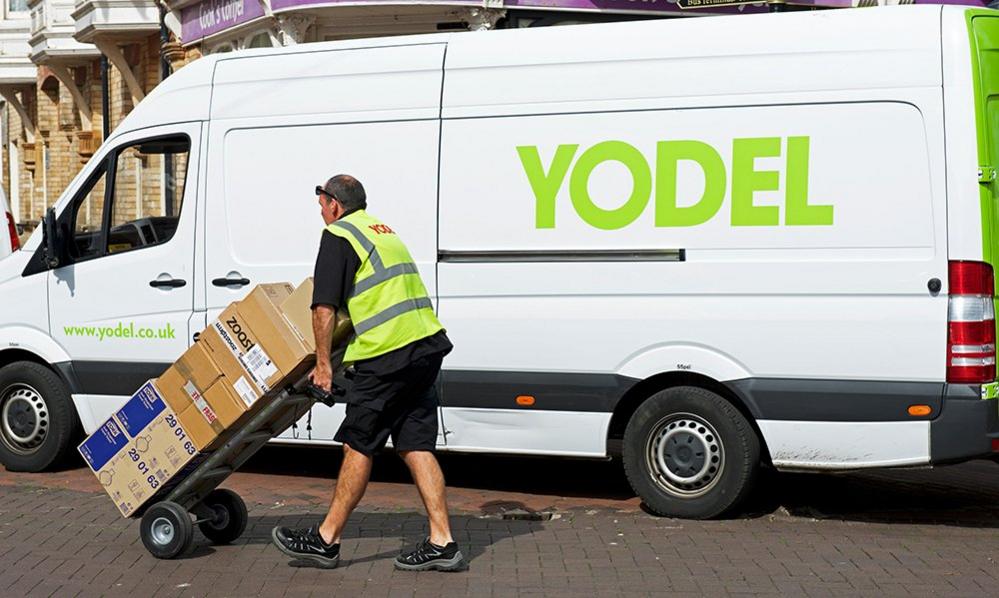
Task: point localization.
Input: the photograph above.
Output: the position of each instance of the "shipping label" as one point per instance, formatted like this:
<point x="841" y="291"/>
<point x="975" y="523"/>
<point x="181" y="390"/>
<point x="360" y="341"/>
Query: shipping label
<point x="236" y="346"/>
<point x="245" y="391"/>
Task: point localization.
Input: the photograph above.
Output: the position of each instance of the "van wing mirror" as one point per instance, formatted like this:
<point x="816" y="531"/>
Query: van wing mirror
<point x="50" y="240"/>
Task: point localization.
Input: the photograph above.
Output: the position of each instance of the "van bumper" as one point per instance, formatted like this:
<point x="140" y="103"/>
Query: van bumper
<point x="966" y="427"/>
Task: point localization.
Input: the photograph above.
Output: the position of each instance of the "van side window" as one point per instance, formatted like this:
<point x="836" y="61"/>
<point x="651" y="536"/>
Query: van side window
<point x="148" y="193"/>
<point x="88" y="218"/>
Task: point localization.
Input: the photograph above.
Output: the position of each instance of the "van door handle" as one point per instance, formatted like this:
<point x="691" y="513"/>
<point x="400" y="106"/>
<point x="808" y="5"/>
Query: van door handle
<point x="172" y="283"/>
<point x="231" y="282"/>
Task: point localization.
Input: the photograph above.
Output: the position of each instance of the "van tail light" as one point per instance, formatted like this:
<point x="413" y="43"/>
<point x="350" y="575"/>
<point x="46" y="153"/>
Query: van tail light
<point x="15" y="243"/>
<point x="971" y="324"/>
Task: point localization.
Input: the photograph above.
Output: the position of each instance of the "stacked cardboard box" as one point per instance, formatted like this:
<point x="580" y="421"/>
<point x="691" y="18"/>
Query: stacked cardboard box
<point x="256" y="348"/>
<point x="138" y="450"/>
<point x="251" y="351"/>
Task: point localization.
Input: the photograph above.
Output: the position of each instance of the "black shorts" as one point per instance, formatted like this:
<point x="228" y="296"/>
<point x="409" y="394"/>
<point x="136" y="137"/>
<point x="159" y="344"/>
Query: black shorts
<point x="402" y="405"/>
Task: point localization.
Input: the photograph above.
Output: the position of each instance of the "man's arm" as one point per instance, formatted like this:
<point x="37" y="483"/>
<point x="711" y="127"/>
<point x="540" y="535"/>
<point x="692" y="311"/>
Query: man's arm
<point x="323" y="317"/>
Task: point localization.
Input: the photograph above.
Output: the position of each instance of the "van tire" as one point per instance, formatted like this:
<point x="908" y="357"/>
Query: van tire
<point x="37" y="420"/>
<point x="689" y="453"/>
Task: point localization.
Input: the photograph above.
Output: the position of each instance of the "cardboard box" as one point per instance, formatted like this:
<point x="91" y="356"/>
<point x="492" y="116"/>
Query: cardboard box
<point x="253" y="340"/>
<point x="196" y="389"/>
<point x="138" y="450"/>
<point x="297" y="309"/>
<point x="262" y="310"/>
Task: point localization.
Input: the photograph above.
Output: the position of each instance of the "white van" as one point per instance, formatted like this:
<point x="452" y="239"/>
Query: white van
<point x="704" y="245"/>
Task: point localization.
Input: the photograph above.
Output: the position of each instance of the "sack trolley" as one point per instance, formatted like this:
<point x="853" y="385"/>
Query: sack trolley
<point x="167" y="526"/>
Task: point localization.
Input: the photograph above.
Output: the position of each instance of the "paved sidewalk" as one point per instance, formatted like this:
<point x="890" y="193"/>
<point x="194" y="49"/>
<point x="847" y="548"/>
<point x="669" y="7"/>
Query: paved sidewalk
<point x="912" y="533"/>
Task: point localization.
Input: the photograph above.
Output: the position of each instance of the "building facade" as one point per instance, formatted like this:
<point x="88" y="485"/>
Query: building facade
<point x="71" y="70"/>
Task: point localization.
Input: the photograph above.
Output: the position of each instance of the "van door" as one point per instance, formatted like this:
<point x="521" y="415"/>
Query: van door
<point x="372" y="113"/>
<point x="121" y="306"/>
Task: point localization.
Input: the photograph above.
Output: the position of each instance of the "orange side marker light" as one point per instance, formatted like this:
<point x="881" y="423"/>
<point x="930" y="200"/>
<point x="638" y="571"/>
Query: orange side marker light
<point x="525" y="400"/>
<point x="920" y="410"/>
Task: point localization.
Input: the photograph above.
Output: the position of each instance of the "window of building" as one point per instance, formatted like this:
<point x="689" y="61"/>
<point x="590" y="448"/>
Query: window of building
<point x="88" y="219"/>
<point x="260" y="40"/>
<point x="17" y="6"/>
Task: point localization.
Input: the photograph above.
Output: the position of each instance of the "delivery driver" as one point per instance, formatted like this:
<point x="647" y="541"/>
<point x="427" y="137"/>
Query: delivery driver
<point x="364" y="267"/>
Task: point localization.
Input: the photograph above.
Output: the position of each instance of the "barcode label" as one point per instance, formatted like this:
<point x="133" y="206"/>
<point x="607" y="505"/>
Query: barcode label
<point x="245" y="391"/>
<point x="259" y="364"/>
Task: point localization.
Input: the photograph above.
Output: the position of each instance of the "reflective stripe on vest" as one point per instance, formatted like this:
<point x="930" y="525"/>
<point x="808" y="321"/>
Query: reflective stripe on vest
<point x="392" y="312"/>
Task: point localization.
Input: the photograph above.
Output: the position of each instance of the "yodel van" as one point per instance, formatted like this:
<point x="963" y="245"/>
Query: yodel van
<point x="704" y="245"/>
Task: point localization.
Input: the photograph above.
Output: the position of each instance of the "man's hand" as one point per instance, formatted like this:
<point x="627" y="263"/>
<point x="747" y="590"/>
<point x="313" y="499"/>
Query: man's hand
<point x="322" y="377"/>
<point x="323" y="317"/>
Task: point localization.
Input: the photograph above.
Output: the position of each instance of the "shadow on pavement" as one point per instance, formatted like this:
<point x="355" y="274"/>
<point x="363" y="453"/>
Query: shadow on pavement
<point x="533" y="475"/>
<point x="958" y="495"/>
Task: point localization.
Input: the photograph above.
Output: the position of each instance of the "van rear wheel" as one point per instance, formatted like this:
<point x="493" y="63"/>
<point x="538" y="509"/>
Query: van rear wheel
<point x="690" y="453"/>
<point x="37" y="423"/>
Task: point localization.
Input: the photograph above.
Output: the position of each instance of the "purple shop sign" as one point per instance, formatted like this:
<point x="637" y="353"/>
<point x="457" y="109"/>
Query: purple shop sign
<point x="610" y="6"/>
<point x="212" y="16"/>
<point x="632" y="6"/>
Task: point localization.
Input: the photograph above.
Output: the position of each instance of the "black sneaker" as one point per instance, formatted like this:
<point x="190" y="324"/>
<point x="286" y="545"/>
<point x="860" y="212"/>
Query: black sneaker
<point x="429" y="556"/>
<point x="306" y="544"/>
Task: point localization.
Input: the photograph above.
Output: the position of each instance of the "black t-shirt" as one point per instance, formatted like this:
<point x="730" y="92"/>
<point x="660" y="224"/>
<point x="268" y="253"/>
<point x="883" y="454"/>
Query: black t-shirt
<point x="336" y="266"/>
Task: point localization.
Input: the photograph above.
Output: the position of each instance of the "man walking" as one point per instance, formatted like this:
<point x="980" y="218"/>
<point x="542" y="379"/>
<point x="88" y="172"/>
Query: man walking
<point x="397" y="350"/>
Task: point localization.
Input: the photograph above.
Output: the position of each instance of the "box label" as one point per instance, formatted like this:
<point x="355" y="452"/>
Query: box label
<point x="103" y="444"/>
<point x="245" y="391"/>
<point x="259" y="363"/>
<point x="140" y="410"/>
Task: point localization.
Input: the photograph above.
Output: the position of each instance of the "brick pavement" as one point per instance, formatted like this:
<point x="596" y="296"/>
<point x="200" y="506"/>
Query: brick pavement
<point x="913" y="533"/>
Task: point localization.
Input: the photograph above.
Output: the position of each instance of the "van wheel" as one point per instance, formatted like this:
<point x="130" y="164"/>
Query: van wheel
<point x="37" y="422"/>
<point x="690" y="453"/>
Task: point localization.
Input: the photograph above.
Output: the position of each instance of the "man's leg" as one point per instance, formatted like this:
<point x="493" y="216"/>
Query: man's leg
<point x="355" y="471"/>
<point x="429" y="480"/>
<point x="321" y="543"/>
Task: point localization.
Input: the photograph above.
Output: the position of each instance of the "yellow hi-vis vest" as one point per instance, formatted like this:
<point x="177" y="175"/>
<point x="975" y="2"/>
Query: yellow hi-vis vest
<point x="388" y="303"/>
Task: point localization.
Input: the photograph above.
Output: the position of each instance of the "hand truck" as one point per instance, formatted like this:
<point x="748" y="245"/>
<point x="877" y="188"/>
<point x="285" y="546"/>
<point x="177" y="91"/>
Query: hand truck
<point x="167" y="527"/>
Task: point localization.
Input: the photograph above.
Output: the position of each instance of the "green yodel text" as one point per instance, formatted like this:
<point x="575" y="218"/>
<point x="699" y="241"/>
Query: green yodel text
<point x="122" y="330"/>
<point x="746" y="180"/>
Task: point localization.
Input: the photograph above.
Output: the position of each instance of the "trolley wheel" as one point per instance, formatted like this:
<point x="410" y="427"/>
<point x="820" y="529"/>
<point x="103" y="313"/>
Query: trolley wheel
<point x="166" y="530"/>
<point x="229" y="516"/>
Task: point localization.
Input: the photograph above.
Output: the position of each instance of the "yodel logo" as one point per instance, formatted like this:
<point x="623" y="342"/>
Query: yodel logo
<point x="661" y="179"/>
<point x="237" y="330"/>
<point x="381" y="229"/>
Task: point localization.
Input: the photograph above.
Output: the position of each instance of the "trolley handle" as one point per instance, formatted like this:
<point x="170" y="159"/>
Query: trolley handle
<point x="319" y="394"/>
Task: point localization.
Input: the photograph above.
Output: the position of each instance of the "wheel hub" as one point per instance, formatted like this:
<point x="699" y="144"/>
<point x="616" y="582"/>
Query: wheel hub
<point x="685" y="455"/>
<point x="24" y="418"/>
<point x="221" y="517"/>
<point x="162" y="531"/>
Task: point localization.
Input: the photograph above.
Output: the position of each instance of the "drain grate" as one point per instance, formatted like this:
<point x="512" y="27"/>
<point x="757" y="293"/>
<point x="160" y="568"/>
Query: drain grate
<point x="517" y="511"/>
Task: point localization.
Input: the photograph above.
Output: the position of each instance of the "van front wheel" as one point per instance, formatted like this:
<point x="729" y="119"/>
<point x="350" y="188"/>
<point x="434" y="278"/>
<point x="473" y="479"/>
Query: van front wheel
<point x="37" y="423"/>
<point x="690" y="453"/>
